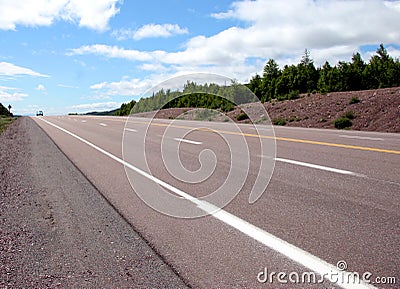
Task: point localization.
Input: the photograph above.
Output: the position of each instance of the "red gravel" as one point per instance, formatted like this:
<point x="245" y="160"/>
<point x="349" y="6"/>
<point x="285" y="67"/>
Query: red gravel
<point x="378" y="110"/>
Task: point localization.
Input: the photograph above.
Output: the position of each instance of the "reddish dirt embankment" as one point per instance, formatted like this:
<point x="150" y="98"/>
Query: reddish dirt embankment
<point x="377" y="110"/>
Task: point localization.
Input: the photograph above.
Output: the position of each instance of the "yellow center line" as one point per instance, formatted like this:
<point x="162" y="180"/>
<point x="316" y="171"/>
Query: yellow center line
<point x="311" y="142"/>
<point x="338" y="145"/>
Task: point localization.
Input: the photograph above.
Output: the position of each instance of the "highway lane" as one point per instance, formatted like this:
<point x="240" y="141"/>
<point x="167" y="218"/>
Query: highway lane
<point x="331" y="215"/>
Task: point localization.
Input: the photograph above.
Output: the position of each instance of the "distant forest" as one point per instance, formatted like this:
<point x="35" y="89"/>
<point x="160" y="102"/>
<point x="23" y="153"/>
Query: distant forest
<point x="381" y="71"/>
<point x="193" y="95"/>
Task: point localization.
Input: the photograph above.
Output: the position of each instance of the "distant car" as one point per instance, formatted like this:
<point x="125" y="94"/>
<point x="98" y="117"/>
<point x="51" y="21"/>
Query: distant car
<point x="39" y="113"/>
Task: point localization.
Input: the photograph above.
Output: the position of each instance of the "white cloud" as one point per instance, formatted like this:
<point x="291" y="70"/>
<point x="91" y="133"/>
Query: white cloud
<point x="10" y="94"/>
<point x="67" y="86"/>
<point x="9" y="69"/>
<point x="153" y="67"/>
<point x="395" y="53"/>
<point x="125" y="87"/>
<point x="150" y="31"/>
<point x="194" y="59"/>
<point x="274" y="28"/>
<point x="93" y="14"/>
<point x="111" y="52"/>
<point x="95" y="106"/>
<point x="332" y="30"/>
<point x="7" y="88"/>
<point x="41" y="87"/>
<point x="98" y="86"/>
<point x="195" y="54"/>
<point x="28" y="13"/>
<point x="136" y="88"/>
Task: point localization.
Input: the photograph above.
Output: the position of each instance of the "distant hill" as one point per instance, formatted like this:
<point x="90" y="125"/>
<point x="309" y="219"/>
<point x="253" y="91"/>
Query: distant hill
<point x="4" y="111"/>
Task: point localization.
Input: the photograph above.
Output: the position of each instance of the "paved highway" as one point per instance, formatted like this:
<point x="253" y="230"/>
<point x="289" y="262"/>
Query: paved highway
<point x="332" y="202"/>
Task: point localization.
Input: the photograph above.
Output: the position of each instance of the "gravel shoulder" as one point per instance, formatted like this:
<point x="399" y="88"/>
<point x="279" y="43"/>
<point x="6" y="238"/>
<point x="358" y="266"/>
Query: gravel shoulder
<point x="56" y="230"/>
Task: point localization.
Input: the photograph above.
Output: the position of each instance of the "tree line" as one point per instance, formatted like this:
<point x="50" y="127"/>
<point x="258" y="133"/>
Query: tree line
<point x="381" y="71"/>
<point x="212" y="96"/>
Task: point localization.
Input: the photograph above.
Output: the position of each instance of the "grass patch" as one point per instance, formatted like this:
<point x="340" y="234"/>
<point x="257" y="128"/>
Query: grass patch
<point x="205" y="114"/>
<point x="242" y="116"/>
<point x="5" y="121"/>
<point x="294" y="118"/>
<point x="279" y="121"/>
<point x="349" y="114"/>
<point x="293" y="95"/>
<point x="342" y="123"/>
<point x="354" y="100"/>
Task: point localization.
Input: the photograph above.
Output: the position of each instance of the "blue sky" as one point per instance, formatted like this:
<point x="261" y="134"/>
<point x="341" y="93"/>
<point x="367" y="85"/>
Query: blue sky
<point x="64" y="56"/>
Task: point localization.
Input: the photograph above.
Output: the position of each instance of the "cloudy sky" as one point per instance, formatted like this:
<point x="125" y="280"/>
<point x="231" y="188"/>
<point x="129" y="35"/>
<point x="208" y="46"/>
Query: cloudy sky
<point x="65" y="56"/>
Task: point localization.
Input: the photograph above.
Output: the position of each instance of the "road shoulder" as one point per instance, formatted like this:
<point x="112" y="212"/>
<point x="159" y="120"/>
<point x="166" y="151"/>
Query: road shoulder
<point x="57" y="230"/>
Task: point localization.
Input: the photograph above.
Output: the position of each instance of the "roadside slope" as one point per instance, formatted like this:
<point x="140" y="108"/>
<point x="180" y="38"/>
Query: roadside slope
<point x="57" y="230"/>
<point x="374" y="110"/>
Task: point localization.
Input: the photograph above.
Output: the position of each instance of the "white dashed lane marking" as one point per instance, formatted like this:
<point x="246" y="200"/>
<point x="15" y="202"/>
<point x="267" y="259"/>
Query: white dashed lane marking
<point x="361" y="137"/>
<point x="188" y="141"/>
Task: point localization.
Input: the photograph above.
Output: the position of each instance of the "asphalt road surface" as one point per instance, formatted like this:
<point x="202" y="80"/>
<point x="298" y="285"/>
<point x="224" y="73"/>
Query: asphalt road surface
<point x="331" y="206"/>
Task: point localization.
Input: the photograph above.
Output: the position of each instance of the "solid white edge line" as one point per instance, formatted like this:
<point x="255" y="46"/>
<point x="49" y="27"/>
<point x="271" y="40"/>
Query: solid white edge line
<point x="319" y="167"/>
<point x="188" y="141"/>
<point x="286" y="249"/>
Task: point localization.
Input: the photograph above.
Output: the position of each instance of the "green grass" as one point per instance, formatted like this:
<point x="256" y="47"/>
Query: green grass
<point x="343" y="123"/>
<point x="279" y="121"/>
<point x="5" y="121"/>
<point x="354" y="100"/>
<point x="349" y="114"/>
<point x="242" y="116"/>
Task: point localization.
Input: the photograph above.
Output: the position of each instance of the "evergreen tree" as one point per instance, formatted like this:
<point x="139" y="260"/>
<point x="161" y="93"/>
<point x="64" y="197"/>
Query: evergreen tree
<point x="356" y="68"/>
<point x="307" y="74"/>
<point x="325" y="78"/>
<point x="255" y="85"/>
<point x="381" y="71"/>
<point x="270" y="77"/>
<point x="286" y="83"/>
